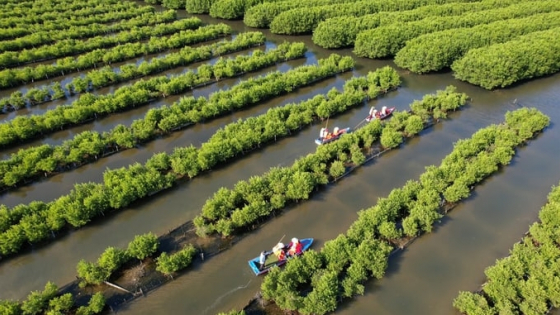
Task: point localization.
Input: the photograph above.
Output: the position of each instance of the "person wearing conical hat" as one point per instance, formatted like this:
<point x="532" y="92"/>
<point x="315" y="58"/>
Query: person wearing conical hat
<point x="295" y="247"/>
<point x="278" y="250"/>
<point x="384" y="111"/>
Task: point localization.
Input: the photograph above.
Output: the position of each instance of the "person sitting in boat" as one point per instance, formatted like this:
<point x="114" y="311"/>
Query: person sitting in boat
<point x="324" y="134"/>
<point x="335" y="131"/>
<point x="278" y="250"/>
<point x="262" y="259"/>
<point x="383" y="111"/>
<point x="372" y="112"/>
<point x="295" y="247"/>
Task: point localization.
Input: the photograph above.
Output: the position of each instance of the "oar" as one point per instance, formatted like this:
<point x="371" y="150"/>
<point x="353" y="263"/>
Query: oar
<point x="359" y="124"/>
<point x="279" y="241"/>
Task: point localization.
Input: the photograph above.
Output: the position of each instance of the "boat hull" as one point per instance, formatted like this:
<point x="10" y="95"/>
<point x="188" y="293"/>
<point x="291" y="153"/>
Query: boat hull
<point x="254" y="263"/>
<point x="389" y="113"/>
<point x="320" y="141"/>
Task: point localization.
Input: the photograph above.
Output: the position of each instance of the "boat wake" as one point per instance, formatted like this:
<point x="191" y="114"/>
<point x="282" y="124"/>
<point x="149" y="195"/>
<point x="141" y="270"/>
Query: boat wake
<point x="224" y="295"/>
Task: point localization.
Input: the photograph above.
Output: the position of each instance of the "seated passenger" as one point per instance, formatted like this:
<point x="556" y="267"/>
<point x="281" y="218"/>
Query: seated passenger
<point x="295" y="247"/>
<point x="335" y="131"/>
<point x="384" y="111"/>
<point x="278" y="250"/>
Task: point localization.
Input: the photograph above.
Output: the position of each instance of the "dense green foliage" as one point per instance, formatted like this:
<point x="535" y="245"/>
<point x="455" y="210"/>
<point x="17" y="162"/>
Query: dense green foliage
<point x="235" y="9"/>
<point x="19" y="76"/>
<point x="436" y="51"/>
<point x="113" y="258"/>
<point x="16" y="28"/>
<point x="232" y="209"/>
<point x="88" y="146"/>
<point x="107" y="75"/>
<point x="199" y="6"/>
<point x="143" y="246"/>
<point x="33" y="222"/>
<point x="22" y="8"/>
<point x="69" y="47"/>
<point x="39" y="8"/>
<point x="95" y="305"/>
<point x="58" y="20"/>
<point x="304" y="20"/>
<point x="49" y="302"/>
<point x="341" y="31"/>
<point x="526" y="282"/>
<point x="171" y="263"/>
<point x="77" y="32"/>
<point x="261" y="15"/>
<point x="315" y="282"/>
<point x="500" y="65"/>
<point x="89" y="106"/>
<point x="388" y="40"/>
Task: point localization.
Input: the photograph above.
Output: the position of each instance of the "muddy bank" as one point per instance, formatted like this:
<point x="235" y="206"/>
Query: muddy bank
<point x="137" y="278"/>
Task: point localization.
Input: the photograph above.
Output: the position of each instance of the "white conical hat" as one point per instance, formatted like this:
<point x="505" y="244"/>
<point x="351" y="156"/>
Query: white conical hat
<point x="294" y="240"/>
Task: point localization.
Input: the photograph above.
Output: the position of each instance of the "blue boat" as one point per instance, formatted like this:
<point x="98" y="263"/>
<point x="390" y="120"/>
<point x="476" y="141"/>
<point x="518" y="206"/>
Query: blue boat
<point x="272" y="261"/>
<point x="320" y="141"/>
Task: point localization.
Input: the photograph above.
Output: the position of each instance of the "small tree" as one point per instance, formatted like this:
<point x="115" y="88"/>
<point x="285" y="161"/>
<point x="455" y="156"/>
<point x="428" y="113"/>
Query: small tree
<point x="37" y="301"/>
<point x="90" y="273"/>
<point x="95" y="306"/>
<point x="470" y="303"/>
<point x="337" y="169"/>
<point x="112" y="258"/>
<point x="357" y="156"/>
<point x="168" y="264"/>
<point x="389" y="230"/>
<point x="414" y="125"/>
<point x="61" y="303"/>
<point x="10" y="308"/>
<point x="391" y="138"/>
<point x="143" y="246"/>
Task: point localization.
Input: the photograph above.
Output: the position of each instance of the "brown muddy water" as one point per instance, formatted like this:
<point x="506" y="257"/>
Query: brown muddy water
<point x="423" y="279"/>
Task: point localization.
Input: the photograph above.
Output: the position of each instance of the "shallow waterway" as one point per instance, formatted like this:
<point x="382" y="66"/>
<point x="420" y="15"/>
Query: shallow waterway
<point x="423" y="279"/>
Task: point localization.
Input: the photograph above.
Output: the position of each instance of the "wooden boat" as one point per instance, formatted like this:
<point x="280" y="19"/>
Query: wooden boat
<point x="272" y="261"/>
<point x="320" y="140"/>
<point x="379" y="116"/>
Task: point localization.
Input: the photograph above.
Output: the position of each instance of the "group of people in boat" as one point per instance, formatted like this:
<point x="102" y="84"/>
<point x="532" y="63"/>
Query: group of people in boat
<point x="282" y="252"/>
<point x="325" y="134"/>
<point x="373" y="113"/>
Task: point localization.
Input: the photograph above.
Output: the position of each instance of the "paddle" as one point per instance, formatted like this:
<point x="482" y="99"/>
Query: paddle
<point x="359" y="124"/>
<point x="281" y="238"/>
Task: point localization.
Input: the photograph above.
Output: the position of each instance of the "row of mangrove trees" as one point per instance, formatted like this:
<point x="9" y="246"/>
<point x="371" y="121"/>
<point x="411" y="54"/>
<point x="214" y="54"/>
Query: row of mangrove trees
<point x="527" y="281"/>
<point x="38" y="220"/>
<point x="107" y="75"/>
<point x="317" y="281"/>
